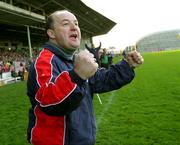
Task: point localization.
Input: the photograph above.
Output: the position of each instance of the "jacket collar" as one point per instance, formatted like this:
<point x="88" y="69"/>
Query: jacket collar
<point x="59" y="51"/>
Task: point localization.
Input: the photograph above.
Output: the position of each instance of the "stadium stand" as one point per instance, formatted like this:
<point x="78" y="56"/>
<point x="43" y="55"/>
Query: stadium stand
<point x="159" y="41"/>
<point x="22" y="26"/>
<point x="25" y="20"/>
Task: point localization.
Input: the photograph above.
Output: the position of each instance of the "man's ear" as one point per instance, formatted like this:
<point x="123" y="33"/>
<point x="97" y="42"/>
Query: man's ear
<point x="51" y="34"/>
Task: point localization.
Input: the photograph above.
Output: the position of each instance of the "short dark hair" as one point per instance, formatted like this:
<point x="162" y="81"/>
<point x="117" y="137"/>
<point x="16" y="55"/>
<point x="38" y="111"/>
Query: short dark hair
<point x="49" y="25"/>
<point x="50" y="19"/>
<point x="49" y="22"/>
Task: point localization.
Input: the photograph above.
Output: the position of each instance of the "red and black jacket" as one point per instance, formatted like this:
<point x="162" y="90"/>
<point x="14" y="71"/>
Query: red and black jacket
<point x="61" y="110"/>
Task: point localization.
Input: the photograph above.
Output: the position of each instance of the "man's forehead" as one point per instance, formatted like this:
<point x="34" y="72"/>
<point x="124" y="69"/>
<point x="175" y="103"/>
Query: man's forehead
<point x="65" y="15"/>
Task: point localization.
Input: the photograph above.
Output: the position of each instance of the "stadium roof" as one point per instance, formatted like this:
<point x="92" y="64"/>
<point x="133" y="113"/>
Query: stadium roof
<point x="33" y="13"/>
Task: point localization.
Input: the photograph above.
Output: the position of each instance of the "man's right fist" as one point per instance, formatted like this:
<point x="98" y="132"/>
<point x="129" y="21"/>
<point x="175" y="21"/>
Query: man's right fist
<point x="85" y="64"/>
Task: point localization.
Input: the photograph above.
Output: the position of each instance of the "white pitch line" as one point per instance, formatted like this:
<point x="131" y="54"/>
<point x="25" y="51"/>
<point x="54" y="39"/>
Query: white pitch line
<point x="99" y="98"/>
<point x="106" y="108"/>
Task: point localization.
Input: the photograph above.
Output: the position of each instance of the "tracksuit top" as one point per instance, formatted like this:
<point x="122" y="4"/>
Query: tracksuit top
<point x="61" y="110"/>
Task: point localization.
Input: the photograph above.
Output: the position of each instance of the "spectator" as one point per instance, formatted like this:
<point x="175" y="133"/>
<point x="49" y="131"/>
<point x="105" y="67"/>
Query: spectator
<point x="6" y="67"/>
<point x="12" y="69"/>
<point x="21" y="71"/>
<point x="95" y="51"/>
<point x="1" y="70"/>
<point x="110" y="58"/>
<point x="104" y="59"/>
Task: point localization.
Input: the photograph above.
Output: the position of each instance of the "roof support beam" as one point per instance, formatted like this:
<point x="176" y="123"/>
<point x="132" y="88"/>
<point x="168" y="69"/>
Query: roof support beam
<point x="21" y="12"/>
<point x="29" y="42"/>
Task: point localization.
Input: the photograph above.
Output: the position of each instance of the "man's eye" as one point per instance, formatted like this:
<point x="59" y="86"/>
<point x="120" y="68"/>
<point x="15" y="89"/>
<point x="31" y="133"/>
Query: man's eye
<point x="65" y="24"/>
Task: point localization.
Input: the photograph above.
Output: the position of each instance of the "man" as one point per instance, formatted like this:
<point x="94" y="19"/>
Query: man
<point x="94" y="50"/>
<point x="61" y="87"/>
<point x="104" y="59"/>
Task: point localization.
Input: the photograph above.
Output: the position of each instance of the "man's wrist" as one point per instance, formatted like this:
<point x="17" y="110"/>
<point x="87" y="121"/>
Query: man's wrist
<point x="131" y="66"/>
<point x="76" y="78"/>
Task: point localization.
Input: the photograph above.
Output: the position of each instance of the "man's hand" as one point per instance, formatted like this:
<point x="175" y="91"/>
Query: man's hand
<point x="134" y="59"/>
<point x="85" y="64"/>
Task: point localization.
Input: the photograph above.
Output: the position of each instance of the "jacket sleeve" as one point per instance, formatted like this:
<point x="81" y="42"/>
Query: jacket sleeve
<point x="59" y="93"/>
<point x="113" y="78"/>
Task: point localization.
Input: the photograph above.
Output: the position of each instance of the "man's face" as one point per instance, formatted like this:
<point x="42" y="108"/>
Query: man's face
<point x="66" y="32"/>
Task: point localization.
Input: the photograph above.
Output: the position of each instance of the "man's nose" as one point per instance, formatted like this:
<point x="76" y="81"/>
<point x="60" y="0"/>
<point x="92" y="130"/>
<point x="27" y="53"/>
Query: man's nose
<point x="73" y="27"/>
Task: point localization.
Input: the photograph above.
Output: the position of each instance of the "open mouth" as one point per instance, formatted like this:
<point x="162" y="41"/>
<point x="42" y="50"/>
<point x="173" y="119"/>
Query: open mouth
<point x="73" y="36"/>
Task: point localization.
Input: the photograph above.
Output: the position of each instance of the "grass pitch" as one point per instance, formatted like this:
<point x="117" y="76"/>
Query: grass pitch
<point x="145" y="112"/>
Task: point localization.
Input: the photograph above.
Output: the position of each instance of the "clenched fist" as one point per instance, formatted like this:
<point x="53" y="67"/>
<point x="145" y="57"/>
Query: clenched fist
<point x="85" y="64"/>
<point x="134" y="59"/>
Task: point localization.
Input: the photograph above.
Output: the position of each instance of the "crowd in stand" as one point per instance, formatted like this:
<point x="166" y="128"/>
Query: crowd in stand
<point x="18" y="62"/>
<point x="15" y="62"/>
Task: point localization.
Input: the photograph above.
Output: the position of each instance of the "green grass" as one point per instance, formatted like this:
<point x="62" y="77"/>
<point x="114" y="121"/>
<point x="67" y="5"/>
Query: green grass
<point x="145" y="112"/>
<point x="13" y="114"/>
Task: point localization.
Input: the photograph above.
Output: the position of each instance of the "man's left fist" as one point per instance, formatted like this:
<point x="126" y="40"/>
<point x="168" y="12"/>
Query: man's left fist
<point x="134" y="59"/>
